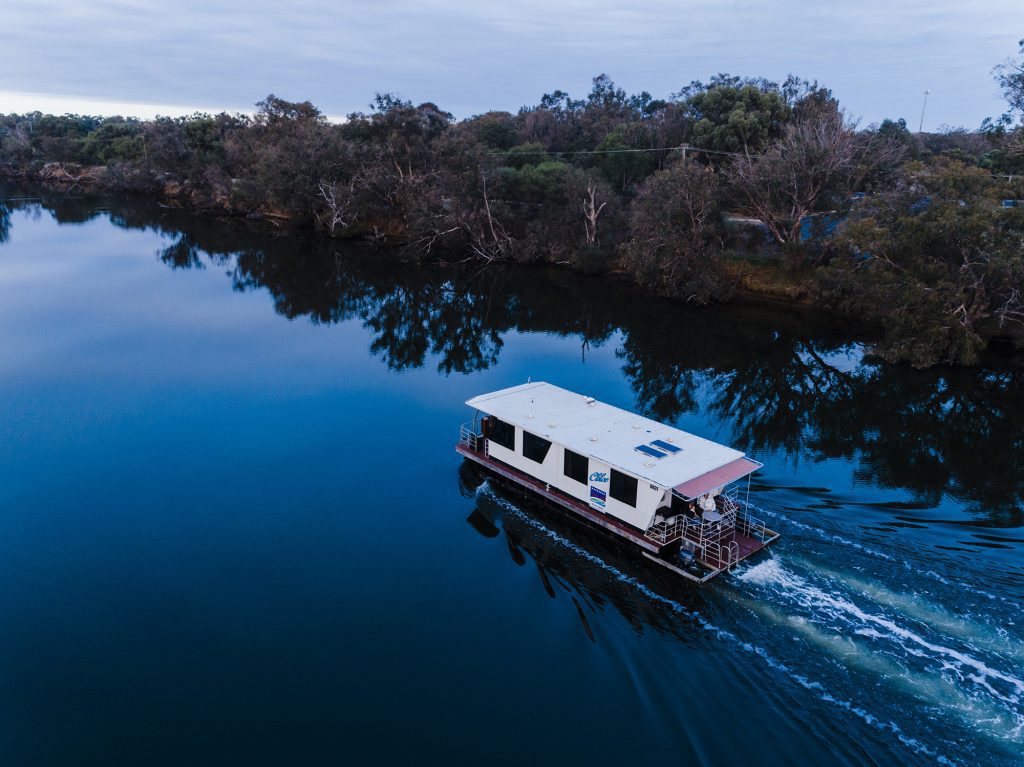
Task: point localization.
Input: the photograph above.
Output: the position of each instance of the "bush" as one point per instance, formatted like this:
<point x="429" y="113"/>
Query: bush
<point x="677" y="231"/>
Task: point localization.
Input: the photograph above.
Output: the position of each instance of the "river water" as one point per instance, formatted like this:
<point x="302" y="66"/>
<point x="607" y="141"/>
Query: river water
<point x="233" y="528"/>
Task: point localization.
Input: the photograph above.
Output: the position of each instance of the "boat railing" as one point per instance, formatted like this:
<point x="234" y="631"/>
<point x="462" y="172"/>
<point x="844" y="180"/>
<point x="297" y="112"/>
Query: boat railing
<point x="729" y="506"/>
<point x="667" y="529"/>
<point x="713" y="541"/>
<point x="724" y="555"/>
<point x="751" y="526"/>
<point x="471" y="438"/>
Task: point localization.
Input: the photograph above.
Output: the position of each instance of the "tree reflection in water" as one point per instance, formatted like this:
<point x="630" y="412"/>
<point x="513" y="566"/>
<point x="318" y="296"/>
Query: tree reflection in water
<point x="5" y="221"/>
<point x="784" y="380"/>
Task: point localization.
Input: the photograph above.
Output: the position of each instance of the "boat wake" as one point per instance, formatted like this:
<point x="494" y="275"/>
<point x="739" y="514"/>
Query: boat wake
<point x="935" y="677"/>
<point x="910" y="559"/>
<point x="953" y="667"/>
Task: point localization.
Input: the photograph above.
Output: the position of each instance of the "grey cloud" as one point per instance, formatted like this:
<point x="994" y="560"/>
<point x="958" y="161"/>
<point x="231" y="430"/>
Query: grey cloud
<point x="472" y="56"/>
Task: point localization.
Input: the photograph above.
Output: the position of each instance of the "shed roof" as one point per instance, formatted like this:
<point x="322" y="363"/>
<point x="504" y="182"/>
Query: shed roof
<point x="609" y="434"/>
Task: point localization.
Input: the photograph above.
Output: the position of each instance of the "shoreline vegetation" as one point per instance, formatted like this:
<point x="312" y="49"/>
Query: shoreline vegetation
<point x="734" y="184"/>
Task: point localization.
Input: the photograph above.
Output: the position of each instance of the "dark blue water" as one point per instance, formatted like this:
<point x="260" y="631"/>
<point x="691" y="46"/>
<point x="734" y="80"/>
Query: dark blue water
<point x="233" y="528"/>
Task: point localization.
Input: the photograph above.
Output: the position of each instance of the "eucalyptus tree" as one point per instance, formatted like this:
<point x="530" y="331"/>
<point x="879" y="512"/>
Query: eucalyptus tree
<point x="676" y="234"/>
<point x="732" y="114"/>
<point x="812" y="168"/>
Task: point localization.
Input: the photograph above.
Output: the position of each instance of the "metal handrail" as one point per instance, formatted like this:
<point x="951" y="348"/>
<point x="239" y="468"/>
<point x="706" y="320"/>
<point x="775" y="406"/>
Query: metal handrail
<point x="752" y="526"/>
<point x="727" y="556"/>
<point x="734" y="554"/>
<point x="664" y="532"/>
<point x="469" y="437"/>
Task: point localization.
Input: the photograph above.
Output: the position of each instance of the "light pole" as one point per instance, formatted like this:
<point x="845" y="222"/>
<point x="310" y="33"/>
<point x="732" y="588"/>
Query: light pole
<point x="920" y="125"/>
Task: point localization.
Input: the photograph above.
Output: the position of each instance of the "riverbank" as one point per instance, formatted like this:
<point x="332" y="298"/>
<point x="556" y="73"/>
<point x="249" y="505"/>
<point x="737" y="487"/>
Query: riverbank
<point x="758" y="276"/>
<point x="735" y="185"/>
<point x="762" y="278"/>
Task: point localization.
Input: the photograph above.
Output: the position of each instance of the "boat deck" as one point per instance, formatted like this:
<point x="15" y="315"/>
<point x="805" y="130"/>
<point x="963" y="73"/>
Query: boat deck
<point x="747" y="546"/>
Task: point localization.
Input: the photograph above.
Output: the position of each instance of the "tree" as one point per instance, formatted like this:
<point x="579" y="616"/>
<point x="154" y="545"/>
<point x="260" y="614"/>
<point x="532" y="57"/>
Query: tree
<point x="732" y="115"/>
<point x="812" y="168"/>
<point x="273" y="110"/>
<point x="896" y="130"/>
<point x="495" y="130"/>
<point x="939" y="262"/>
<point x="805" y="97"/>
<point x="676" y="234"/>
<point x="456" y="207"/>
<point x="286" y="154"/>
<point x="546" y="209"/>
<point x="1005" y="134"/>
<point x="592" y="209"/>
<point x="1010" y="77"/>
<point x="555" y="123"/>
<point x="625" y="162"/>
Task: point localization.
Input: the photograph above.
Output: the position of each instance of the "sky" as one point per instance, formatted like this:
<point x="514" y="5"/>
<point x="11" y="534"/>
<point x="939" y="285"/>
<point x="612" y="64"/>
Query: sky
<point x="470" y="56"/>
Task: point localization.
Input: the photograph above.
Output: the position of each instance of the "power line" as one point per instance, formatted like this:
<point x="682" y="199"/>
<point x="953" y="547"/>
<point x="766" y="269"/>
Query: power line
<point x="684" y="147"/>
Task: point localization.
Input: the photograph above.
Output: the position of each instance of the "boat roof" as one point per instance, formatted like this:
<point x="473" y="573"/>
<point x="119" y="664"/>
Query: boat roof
<point x="645" y="448"/>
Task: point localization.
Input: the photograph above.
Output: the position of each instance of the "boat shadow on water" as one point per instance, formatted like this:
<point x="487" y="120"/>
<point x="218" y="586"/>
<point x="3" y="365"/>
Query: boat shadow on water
<point x="575" y="561"/>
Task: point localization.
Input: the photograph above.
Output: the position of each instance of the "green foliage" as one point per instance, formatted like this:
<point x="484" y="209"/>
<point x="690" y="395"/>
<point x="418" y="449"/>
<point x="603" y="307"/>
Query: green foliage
<point x="623" y="166"/>
<point x="677" y="233"/>
<point x="897" y="132"/>
<point x="273" y="110"/>
<point x="114" y="141"/>
<point x="605" y="96"/>
<point x="735" y="117"/>
<point x="532" y="153"/>
<point x="545" y="209"/>
<point x="495" y="130"/>
<point x="938" y="262"/>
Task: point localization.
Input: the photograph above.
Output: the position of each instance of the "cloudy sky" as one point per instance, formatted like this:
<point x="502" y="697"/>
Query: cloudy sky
<point x="468" y="56"/>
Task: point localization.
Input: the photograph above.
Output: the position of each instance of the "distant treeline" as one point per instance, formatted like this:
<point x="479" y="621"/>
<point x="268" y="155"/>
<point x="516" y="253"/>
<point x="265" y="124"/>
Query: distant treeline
<point x="727" y="178"/>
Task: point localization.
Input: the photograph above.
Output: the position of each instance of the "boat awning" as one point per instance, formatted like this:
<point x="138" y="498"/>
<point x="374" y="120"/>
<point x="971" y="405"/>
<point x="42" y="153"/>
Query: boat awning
<point x="716" y="478"/>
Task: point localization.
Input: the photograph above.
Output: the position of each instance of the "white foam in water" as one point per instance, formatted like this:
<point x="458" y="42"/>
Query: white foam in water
<point x="767" y="572"/>
<point x="773" y="574"/>
<point x="936" y="690"/>
<point x="919" y="608"/>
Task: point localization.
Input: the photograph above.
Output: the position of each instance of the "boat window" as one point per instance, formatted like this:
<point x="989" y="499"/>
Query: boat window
<point x="535" y="448"/>
<point x="576" y="467"/>
<point x="667" y="446"/>
<point x="623" y="488"/>
<point x="503" y="434"/>
<point x="648" y="450"/>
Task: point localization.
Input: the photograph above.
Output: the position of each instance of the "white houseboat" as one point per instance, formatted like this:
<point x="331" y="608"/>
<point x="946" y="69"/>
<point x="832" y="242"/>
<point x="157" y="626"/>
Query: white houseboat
<point x="673" y="495"/>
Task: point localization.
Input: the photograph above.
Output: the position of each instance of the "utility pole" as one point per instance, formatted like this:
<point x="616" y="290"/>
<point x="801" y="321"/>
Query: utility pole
<point x="920" y="125"/>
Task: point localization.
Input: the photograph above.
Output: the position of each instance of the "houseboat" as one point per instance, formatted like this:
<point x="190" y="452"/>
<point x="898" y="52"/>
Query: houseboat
<point x="679" y="499"/>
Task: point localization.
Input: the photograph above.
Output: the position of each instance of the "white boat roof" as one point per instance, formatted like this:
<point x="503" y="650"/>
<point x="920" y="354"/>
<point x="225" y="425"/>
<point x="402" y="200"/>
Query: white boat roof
<point x="612" y="435"/>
